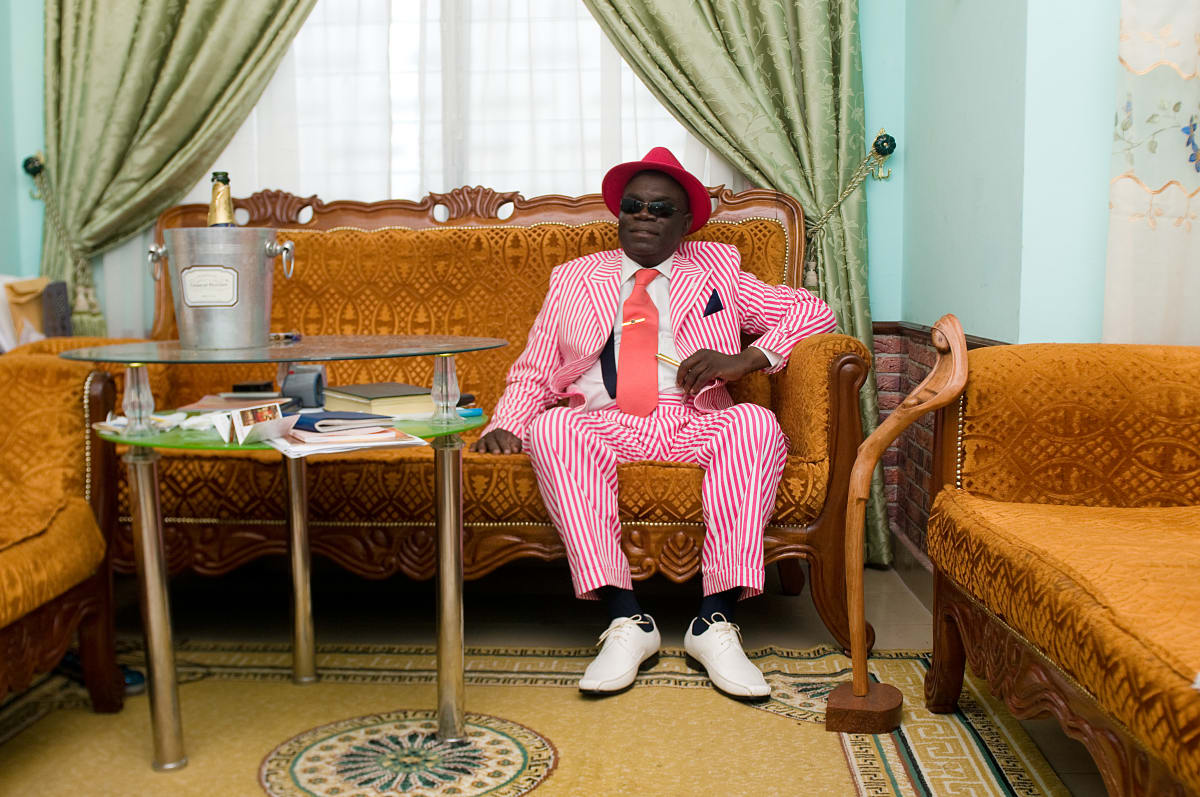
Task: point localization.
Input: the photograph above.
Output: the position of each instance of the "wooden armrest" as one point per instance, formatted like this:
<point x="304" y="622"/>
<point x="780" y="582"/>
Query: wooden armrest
<point x="862" y="706"/>
<point x="817" y="391"/>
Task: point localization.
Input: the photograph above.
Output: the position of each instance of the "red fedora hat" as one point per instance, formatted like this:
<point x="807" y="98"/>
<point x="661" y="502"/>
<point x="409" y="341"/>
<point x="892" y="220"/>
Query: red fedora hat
<point x="658" y="159"/>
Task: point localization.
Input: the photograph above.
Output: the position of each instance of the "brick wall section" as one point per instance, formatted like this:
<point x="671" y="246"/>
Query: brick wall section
<point x="902" y="360"/>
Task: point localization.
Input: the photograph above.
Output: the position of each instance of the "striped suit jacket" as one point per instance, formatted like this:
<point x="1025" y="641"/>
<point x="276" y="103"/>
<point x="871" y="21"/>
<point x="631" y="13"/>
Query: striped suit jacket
<point x="581" y="307"/>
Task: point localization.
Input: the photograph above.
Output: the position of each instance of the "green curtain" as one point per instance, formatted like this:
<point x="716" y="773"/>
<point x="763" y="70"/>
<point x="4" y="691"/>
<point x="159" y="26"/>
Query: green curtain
<point x="141" y="96"/>
<point x="775" y="87"/>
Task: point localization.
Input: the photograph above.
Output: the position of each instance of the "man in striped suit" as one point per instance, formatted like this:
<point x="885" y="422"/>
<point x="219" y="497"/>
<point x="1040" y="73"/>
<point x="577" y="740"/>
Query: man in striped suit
<point x="641" y="341"/>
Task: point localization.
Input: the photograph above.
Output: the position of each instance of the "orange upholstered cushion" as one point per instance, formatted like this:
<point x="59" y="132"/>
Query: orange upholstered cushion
<point x="41" y="442"/>
<point x="1085" y="424"/>
<point x="1110" y="594"/>
<point x="48" y="564"/>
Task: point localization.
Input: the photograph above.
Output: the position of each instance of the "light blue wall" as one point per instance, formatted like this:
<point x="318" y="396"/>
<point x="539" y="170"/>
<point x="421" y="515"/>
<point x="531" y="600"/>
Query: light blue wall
<point x="22" y="120"/>
<point x="964" y="116"/>
<point x="9" y="245"/>
<point x="881" y="25"/>
<point x="1008" y="114"/>
<point x="1072" y="47"/>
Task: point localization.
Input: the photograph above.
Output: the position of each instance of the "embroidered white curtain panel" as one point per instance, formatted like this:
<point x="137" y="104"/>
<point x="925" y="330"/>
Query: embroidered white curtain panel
<point x="382" y="99"/>
<point x="1152" y="287"/>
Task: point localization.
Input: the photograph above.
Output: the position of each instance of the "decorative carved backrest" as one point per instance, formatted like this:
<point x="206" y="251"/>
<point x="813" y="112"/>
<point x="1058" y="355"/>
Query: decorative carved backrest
<point x="1084" y="424"/>
<point x="393" y="267"/>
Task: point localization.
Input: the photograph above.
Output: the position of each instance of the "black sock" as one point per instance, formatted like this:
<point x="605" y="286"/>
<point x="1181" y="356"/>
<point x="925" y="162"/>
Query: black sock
<point x="721" y="603"/>
<point x="623" y="603"/>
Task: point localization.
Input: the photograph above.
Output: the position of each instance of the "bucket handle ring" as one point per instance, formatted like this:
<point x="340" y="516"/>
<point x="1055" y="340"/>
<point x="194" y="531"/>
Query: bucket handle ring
<point x="155" y="257"/>
<point x="287" y="249"/>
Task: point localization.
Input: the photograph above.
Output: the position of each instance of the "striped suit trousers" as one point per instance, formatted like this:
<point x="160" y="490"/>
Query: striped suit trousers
<point x="741" y="449"/>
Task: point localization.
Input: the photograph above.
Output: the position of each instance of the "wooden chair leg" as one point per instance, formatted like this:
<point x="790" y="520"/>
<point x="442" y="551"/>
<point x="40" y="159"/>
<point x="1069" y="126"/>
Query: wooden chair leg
<point x="943" y="682"/>
<point x="791" y="576"/>
<point x="98" y="651"/>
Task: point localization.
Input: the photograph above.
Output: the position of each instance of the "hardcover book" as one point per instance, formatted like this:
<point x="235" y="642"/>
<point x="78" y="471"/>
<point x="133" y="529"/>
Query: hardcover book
<point x="380" y="398"/>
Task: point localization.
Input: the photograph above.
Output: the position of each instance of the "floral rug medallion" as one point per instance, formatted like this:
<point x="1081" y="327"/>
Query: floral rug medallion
<point x="398" y="753"/>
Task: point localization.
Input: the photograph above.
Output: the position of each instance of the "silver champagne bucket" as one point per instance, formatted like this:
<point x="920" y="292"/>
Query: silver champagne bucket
<point x="221" y="281"/>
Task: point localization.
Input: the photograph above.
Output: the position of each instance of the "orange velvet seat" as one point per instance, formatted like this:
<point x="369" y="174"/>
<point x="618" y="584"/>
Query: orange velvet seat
<point x="46" y="565"/>
<point x="1110" y="594"/>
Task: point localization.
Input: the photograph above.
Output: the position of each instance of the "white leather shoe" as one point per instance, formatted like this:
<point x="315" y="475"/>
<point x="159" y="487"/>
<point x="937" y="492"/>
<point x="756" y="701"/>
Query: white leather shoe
<point x="719" y="650"/>
<point x="623" y="648"/>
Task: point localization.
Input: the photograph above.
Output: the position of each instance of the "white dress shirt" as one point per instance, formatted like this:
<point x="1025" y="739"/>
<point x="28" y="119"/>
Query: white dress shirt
<point x="591" y="383"/>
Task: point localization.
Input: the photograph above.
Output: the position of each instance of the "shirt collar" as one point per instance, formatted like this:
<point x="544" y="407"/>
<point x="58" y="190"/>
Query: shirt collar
<point x="629" y="268"/>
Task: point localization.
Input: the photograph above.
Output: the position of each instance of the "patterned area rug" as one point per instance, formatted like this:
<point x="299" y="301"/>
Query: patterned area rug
<point x="367" y="730"/>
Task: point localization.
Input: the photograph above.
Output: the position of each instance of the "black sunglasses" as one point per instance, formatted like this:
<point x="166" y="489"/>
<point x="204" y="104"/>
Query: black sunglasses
<point x="660" y="208"/>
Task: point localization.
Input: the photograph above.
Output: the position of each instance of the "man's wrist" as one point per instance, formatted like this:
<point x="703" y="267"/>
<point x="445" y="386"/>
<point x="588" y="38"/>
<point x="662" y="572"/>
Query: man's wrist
<point x="755" y="359"/>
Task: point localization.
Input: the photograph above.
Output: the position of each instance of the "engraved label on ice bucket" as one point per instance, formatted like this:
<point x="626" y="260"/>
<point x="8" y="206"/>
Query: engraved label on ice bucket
<point x="221" y="280"/>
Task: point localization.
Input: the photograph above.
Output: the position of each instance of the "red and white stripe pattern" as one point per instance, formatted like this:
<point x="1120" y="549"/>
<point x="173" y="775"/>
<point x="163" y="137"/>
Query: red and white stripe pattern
<point x="581" y="305"/>
<point x="575" y="456"/>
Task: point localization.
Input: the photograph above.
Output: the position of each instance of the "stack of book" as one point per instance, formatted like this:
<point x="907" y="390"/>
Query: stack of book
<point x="329" y="432"/>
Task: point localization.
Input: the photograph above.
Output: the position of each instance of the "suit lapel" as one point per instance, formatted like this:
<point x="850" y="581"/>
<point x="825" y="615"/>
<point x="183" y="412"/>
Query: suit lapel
<point x="603" y="285"/>
<point x="688" y="279"/>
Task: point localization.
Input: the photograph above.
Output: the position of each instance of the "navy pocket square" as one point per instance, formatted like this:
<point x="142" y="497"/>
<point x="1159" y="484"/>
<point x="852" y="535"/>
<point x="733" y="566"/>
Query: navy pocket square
<point x="714" y="304"/>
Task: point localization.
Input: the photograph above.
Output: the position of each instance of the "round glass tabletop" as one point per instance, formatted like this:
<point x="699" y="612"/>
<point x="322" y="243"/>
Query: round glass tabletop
<point x="314" y="348"/>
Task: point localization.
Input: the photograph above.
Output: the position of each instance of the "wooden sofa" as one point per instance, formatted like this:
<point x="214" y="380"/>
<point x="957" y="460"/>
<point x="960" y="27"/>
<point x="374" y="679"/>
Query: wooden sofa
<point x="392" y="267"/>
<point x="55" y="515"/>
<point x="1066" y="547"/>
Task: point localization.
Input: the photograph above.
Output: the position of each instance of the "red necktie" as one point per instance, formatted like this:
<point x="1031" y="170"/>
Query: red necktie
<point x="637" y="366"/>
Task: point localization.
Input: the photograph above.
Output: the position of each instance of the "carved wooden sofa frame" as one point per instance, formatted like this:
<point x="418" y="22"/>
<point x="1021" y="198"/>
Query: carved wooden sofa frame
<point x="672" y="549"/>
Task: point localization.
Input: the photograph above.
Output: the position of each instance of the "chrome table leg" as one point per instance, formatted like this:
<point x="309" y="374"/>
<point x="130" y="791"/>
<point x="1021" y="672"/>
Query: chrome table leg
<point x="165" y="721"/>
<point x="304" y="655"/>
<point x="448" y="495"/>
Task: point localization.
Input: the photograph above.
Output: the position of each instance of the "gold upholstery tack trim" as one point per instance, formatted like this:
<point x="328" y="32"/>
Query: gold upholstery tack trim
<point x="959" y="453"/>
<point x="197" y="521"/>
<point x="87" y="437"/>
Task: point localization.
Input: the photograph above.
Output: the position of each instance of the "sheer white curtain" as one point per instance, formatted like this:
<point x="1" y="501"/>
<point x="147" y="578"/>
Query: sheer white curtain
<point x="1152" y="284"/>
<point x="383" y="99"/>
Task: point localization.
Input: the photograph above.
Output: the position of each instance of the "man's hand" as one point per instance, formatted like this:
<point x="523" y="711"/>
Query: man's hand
<point x="706" y="365"/>
<point x="498" y="441"/>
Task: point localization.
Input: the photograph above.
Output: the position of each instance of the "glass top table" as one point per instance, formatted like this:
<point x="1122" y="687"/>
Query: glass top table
<point x="314" y="348"/>
<point x="142" y="460"/>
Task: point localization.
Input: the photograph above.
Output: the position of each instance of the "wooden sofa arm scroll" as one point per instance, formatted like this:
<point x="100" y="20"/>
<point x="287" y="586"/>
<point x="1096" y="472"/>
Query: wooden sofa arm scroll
<point x="823" y="373"/>
<point x="862" y="706"/>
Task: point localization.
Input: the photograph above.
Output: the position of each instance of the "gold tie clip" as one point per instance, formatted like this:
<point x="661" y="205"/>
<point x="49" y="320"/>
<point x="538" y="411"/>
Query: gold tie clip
<point x="632" y="321"/>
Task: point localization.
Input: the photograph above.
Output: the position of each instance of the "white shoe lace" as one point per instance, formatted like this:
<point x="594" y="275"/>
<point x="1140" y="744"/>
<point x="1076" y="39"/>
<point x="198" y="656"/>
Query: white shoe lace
<point x="622" y="630"/>
<point x="726" y="631"/>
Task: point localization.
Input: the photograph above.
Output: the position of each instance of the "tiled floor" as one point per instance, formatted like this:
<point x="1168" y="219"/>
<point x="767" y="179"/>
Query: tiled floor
<point x="532" y="604"/>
